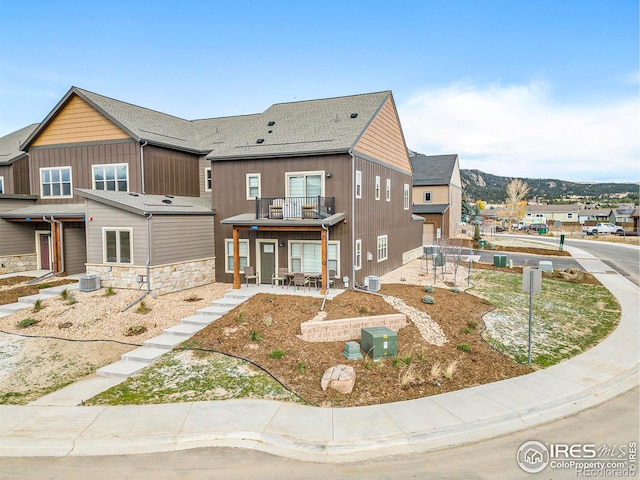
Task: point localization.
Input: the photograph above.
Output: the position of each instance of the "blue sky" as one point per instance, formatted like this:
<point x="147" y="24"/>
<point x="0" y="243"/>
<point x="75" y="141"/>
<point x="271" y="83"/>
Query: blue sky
<point x="541" y="89"/>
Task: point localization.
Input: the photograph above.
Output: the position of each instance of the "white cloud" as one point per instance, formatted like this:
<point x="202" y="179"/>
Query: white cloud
<point x="520" y="131"/>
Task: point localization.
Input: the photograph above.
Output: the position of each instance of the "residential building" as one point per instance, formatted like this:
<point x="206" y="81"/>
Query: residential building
<point x="128" y="193"/>
<point x="437" y="195"/>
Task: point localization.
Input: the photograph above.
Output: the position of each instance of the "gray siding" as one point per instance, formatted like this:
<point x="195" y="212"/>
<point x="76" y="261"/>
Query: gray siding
<point x="179" y="238"/>
<point x="16" y="238"/>
<point x="99" y="216"/>
<point x="75" y="248"/>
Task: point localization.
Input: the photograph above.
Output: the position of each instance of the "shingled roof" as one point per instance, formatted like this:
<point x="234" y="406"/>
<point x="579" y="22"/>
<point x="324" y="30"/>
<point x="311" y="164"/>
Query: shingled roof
<point x="142" y="204"/>
<point x="329" y="125"/>
<point x="10" y="150"/>
<point x="432" y="169"/>
<point x="295" y="128"/>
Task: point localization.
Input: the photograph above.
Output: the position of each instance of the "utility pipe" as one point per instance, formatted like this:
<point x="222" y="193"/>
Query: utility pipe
<point x="353" y="218"/>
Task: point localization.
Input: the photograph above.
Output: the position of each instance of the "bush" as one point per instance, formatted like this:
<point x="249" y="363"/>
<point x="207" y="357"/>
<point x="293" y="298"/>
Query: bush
<point x="135" y="330"/>
<point x="428" y="299"/>
<point x="429" y="289"/>
<point x="463" y="347"/>
<point x="476" y="233"/>
<point x="143" y="308"/>
<point x="109" y="292"/>
<point x="456" y="290"/>
<point x="27" y="322"/>
<point x="37" y="306"/>
<point x="276" y="354"/>
<point x="301" y="367"/>
<point x="255" y="336"/>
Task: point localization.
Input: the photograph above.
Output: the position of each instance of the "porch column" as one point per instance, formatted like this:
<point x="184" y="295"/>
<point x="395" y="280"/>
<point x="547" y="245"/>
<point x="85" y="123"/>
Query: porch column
<point x="236" y="258"/>
<point x="325" y="272"/>
<point x="56" y="247"/>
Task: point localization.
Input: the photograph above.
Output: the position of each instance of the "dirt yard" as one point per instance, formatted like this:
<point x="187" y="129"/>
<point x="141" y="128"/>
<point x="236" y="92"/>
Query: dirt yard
<point x="39" y="358"/>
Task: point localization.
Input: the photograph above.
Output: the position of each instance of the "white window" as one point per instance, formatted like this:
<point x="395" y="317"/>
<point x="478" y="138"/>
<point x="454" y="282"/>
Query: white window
<point x="111" y="177"/>
<point x="55" y="182"/>
<point x="305" y="184"/>
<point x="377" y="187"/>
<point x="382" y="248"/>
<point x="358" y="184"/>
<point x="207" y="179"/>
<point x="388" y="191"/>
<point x="307" y="257"/>
<point x="406" y="196"/>
<point x="243" y="247"/>
<point x="1" y="184"/>
<point x="427" y="197"/>
<point x="358" y="255"/>
<point x="117" y="245"/>
<point x="253" y="186"/>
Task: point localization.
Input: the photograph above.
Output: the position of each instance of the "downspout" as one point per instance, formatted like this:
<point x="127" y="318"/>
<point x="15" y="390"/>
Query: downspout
<point x="353" y="217"/>
<point x="149" y="252"/>
<point x="326" y="266"/>
<point x="142" y="145"/>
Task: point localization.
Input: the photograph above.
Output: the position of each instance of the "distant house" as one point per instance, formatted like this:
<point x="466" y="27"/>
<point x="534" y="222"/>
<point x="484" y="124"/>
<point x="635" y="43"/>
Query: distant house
<point x="554" y="213"/>
<point x="591" y="217"/>
<point x="148" y="200"/>
<point x="437" y="195"/>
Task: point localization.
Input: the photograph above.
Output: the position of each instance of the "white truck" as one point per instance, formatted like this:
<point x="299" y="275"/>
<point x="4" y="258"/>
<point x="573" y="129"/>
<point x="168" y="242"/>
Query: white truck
<point x="526" y="222"/>
<point x="602" y="227"/>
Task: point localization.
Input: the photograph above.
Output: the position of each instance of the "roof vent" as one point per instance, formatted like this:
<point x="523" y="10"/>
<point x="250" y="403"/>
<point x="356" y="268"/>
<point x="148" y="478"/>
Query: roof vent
<point x="169" y="196"/>
<point x="167" y="201"/>
<point x="260" y="140"/>
<point x="270" y="131"/>
<point x="354" y="115"/>
<point x="133" y="194"/>
<point x="271" y="123"/>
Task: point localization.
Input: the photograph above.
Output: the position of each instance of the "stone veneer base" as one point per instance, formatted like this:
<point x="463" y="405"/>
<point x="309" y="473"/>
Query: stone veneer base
<point x="17" y="263"/>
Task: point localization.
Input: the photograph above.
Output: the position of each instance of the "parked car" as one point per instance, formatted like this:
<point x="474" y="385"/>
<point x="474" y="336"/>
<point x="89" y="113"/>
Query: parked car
<point x="537" y="228"/>
<point x="477" y="221"/>
<point x="603" y="227"/>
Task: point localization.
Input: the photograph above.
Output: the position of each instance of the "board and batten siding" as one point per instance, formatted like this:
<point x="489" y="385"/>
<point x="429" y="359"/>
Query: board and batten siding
<point x="170" y="172"/>
<point x="177" y="238"/>
<point x="383" y="139"/>
<point x="75" y="248"/>
<point x="16" y="177"/>
<point x="81" y="158"/>
<point x="78" y="122"/>
<point x="99" y="216"/>
<point x="374" y="218"/>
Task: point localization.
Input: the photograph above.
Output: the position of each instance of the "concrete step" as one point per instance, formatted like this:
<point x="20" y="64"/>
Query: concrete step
<point x="164" y="341"/>
<point x="122" y="369"/>
<point x="60" y="288"/>
<point x="229" y="303"/>
<point x="238" y="294"/>
<point x="11" y="308"/>
<point x="183" y="330"/>
<point x="32" y="299"/>
<point x="213" y="310"/>
<point x="201" y="320"/>
<point x="144" y="354"/>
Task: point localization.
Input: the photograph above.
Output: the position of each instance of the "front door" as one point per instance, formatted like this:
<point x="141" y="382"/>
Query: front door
<point x="267" y="260"/>
<point x="45" y="257"/>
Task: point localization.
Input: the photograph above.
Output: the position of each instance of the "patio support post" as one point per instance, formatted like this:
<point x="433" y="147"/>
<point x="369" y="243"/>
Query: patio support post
<point x="325" y="273"/>
<point x="236" y="258"/>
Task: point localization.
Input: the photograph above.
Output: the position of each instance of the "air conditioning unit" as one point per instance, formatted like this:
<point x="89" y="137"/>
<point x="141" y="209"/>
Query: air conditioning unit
<point x="372" y="283"/>
<point x="89" y="283"/>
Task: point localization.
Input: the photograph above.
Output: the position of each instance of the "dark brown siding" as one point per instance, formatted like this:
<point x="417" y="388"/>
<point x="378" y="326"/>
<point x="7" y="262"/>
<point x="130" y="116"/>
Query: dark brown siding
<point x="229" y="199"/>
<point x="374" y="218"/>
<point x="75" y="248"/>
<point x="6" y="172"/>
<point x="169" y="172"/>
<point x="81" y="158"/>
<point x="21" y="176"/>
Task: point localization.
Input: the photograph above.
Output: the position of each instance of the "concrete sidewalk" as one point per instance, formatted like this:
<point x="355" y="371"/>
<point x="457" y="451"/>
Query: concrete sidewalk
<point x="348" y="434"/>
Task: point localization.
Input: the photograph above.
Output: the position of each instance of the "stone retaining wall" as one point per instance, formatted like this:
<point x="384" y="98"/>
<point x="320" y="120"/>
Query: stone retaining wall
<point x="348" y="328"/>
<point x="18" y="263"/>
<point x="412" y="255"/>
<point x="169" y="278"/>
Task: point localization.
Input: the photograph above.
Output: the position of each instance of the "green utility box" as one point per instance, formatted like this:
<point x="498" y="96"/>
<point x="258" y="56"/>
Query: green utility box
<point x="438" y="259"/>
<point x="499" y="260"/>
<point x="379" y="342"/>
<point x="543" y="231"/>
<point x="482" y="243"/>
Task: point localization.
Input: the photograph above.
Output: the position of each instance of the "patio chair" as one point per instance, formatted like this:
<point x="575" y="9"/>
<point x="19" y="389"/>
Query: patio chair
<point x="332" y="278"/>
<point x="251" y="274"/>
<point x="300" y="280"/>
<point x="281" y="276"/>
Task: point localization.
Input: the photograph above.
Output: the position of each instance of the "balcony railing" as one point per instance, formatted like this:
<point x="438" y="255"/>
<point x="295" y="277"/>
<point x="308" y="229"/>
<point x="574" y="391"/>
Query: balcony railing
<point x="295" y="207"/>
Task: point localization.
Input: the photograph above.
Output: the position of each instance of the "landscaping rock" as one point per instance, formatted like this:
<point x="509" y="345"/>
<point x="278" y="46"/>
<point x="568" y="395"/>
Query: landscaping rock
<point x="341" y="378"/>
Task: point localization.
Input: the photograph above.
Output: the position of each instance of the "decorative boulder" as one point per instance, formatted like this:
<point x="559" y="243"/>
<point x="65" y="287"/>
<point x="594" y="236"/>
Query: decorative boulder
<point x="341" y="378"/>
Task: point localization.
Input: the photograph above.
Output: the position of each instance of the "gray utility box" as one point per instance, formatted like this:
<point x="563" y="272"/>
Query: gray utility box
<point x="89" y="283"/>
<point x="379" y="342"/>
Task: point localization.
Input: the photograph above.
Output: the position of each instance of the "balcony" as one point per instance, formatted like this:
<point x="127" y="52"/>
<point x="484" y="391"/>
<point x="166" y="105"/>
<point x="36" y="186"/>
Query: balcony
<point x="288" y="208"/>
